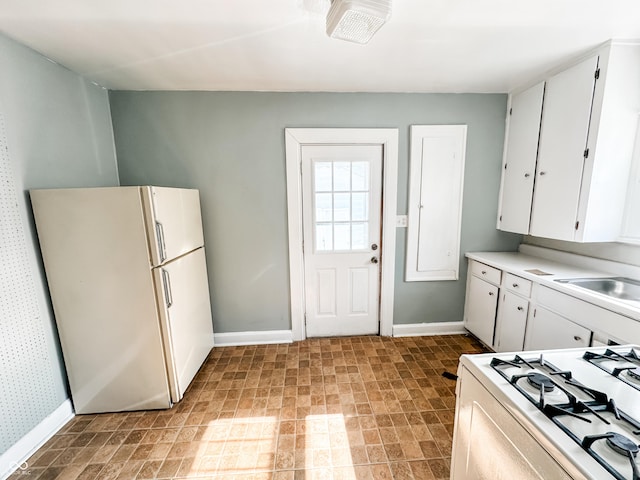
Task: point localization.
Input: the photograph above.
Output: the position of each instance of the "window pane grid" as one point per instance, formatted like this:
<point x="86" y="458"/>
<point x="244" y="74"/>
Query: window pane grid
<point x="341" y="205"/>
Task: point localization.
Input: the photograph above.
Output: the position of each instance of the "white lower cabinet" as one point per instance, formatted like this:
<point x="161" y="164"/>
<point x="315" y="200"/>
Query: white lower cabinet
<point x="480" y="309"/>
<point x="547" y="330"/>
<point x="511" y="323"/>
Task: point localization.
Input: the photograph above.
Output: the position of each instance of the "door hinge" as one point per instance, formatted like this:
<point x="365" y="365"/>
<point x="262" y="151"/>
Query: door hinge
<point x="596" y="75"/>
<point x="577" y="224"/>
<point x="586" y="153"/>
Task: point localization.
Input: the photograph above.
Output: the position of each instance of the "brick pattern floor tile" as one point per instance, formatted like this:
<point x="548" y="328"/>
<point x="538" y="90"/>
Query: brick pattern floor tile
<point x="347" y="408"/>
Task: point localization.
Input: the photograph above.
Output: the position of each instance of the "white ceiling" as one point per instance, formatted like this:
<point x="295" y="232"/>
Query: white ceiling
<point x="280" y="45"/>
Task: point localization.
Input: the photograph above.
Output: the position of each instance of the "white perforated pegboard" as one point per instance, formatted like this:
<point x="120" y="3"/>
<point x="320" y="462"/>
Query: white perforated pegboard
<point x="27" y="388"/>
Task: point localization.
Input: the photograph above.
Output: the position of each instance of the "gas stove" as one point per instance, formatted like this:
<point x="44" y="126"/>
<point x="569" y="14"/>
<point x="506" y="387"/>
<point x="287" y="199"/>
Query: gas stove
<point x="582" y="406"/>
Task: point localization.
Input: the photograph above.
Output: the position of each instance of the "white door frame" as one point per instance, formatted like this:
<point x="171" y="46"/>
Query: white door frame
<point x="295" y="138"/>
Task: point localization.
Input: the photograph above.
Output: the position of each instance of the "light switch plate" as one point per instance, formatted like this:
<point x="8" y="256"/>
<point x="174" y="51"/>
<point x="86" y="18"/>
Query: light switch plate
<point x="401" y="220"/>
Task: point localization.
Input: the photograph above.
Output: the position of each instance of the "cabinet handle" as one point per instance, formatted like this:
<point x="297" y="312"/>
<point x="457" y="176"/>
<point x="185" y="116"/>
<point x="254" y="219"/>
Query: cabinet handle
<point x="543" y="173"/>
<point x="515" y="285"/>
<point x="577" y="338"/>
<point x="491" y="294"/>
<point x="484" y="272"/>
<point x="526" y="175"/>
<point x="520" y="308"/>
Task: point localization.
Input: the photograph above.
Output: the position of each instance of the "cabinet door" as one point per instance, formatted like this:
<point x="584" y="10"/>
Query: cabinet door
<point x="521" y="152"/>
<point x="563" y="140"/>
<point x="548" y="330"/>
<point x="511" y="323"/>
<point x="480" y="309"/>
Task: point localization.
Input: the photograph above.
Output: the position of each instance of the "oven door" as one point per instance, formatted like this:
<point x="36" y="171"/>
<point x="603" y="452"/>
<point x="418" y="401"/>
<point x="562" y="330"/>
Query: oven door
<point x="489" y="443"/>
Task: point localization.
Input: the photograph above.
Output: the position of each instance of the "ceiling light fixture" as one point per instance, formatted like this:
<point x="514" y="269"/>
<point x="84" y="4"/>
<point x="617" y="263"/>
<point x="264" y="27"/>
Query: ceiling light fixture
<point x="357" y="20"/>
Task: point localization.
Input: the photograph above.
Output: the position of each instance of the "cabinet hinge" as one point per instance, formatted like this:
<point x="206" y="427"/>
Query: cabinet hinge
<point x="534" y="312"/>
<point x="586" y="153"/>
<point x="500" y="217"/>
<point x="596" y="75"/>
<point x="577" y="225"/>
<point x="505" y="166"/>
<point x="511" y="111"/>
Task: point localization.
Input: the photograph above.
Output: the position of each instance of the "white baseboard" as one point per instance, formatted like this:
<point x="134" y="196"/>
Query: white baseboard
<point x="252" y="338"/>
<point x="16" y="455"/>
<point x="426" y="329"/>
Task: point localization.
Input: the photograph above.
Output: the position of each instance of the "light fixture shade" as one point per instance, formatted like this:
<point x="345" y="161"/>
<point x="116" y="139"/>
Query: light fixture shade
<point x="357" y="20"/>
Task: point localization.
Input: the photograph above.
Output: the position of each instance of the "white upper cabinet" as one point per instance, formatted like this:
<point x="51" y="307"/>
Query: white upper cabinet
<point x="563" y="140"/>
<point x="519" y="166"/>
<point x="585" y="146"/>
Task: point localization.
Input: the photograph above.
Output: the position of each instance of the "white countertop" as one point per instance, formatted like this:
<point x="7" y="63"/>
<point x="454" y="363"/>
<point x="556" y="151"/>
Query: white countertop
<point x="575" y="266"/>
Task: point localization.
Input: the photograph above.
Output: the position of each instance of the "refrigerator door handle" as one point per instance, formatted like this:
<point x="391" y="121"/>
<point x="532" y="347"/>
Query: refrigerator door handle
<point x="166" y="283"/>
<point x="161" y="244"/>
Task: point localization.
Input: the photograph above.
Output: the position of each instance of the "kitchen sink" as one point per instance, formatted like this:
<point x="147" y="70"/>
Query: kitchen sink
<point x="615" y="287"/>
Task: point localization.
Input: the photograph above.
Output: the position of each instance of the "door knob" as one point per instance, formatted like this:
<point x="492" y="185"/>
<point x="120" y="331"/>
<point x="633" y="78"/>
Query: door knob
<point x="374" y="259"/>
<point x="374" y="246"/>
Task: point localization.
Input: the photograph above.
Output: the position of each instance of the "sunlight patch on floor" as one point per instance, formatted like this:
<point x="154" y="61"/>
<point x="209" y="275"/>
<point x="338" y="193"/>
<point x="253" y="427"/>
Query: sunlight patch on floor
<point x="237" y="445"/>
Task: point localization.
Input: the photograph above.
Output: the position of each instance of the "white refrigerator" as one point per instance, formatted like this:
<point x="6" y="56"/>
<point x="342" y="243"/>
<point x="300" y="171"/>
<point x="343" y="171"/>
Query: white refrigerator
<point x="128" y="283"/>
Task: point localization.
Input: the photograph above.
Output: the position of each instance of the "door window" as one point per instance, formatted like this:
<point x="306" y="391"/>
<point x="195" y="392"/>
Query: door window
<point x="341" y="209"/>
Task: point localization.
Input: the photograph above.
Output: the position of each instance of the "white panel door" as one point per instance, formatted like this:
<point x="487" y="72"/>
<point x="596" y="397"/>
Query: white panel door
<point x="182" y="289"/>
<point x="435" y="201"/>
<point x="563" y="140"/>
<point x="175" y="222"/>
<point x="520" y="161"/>
<point x="341" y="226"/>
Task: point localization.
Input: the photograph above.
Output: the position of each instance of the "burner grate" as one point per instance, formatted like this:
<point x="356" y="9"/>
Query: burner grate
<point x="628" y="373"/>
<point x="573" y="400"/>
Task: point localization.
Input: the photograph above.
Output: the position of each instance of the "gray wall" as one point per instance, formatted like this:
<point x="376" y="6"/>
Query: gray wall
<point x="58" y="130"/>
<point x="230" y="145"/>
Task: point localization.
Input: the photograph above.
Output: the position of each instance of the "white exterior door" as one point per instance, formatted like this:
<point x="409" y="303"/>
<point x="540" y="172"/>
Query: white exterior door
<point x="342" y="198"/>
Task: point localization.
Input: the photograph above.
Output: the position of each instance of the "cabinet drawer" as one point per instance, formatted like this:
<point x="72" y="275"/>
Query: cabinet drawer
<point x="486" y="272"/>
<point x="590" y="316"/>
<point x="518" y="285"/>
<point x="548" y="330"/>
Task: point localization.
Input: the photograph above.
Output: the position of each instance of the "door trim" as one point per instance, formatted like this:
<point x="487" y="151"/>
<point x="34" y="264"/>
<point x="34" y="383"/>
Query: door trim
<point x="295" y="138"/>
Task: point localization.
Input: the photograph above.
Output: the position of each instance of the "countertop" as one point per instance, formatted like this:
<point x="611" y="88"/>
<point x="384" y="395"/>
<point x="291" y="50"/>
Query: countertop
<point x="575" y="266"/>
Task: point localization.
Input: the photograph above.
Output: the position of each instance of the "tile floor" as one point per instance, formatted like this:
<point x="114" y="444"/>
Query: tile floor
<point x="339" y="408"/>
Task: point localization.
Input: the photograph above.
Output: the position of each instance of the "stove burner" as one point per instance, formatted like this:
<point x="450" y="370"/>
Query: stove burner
<point x="621" y="444"/>
<point x="539" y="381"/>
<point x="634" y="373"/>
